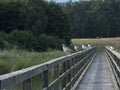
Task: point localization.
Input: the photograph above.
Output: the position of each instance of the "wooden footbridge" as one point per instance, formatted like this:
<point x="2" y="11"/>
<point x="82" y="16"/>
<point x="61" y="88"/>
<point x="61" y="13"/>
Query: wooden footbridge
<point x="84" y="70"/>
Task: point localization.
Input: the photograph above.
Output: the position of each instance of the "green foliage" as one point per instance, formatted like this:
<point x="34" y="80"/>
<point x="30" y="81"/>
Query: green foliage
<point x="3" y="67"/>
<point x="7" y="1"/>
<point x="11" y="16"/>
<point x="35" y="16"/>
<point x="12" y="60"/>
<point x="95" y="18"/>
<point x="48" y="42"/>
<point x="32" y="24"/>
<point x="26" y="40"/>
<point x="22" y="39"/>
<point x="58" y="22"/>
<point x="2" y="40"/>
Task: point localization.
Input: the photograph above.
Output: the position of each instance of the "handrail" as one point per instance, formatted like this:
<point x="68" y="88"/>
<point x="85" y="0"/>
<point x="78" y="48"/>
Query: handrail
<point x="66" y="71"/>
<point x="114" y="60"/>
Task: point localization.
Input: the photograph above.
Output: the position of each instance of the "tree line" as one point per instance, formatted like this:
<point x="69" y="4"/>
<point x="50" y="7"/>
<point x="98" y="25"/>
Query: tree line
<point x="33" y="25"/>
<point x="94" y="18"/>
<point x="39" y="25"/>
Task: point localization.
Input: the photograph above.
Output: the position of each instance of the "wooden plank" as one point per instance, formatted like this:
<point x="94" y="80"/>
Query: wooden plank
<point x="98" y="76"/>
<point x="56" y="76"/>
<point x="53" y="85"/>
<point x="65" y="58"/>
<point x="112" y="74"/>
<point x="45" y="79"/>
<point x="14" y="78"/>
<point x="27" y="85"/>
<point x="114" y="67"/>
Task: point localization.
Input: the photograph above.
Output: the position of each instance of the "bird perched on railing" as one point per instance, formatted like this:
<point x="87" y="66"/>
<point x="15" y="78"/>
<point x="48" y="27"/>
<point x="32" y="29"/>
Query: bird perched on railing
<point x="77" y="48"/>
<point x="84" y="47"/>
<point x="111" y="47"/>
<point x="89" y="46"/>
<point x="67" y="50"/>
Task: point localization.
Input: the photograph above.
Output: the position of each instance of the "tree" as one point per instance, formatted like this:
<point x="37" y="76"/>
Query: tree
<point x="95" y="18"/>
<point x="22" y="39"/>
<point x="58" y="22"/>
<point x="11" y="16"/>
<point x="36" y="17"/>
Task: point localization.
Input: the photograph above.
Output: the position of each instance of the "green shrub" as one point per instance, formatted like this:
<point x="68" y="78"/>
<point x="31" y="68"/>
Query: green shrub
<point x="22" y="39"/>
<point x="2" y="41"/>
<point x="14" y="59"/>
<point x="3" y="67"/>
<point x="48" y="42"/>
<point x="26" y="40"/>
<point x="11" y="15"/>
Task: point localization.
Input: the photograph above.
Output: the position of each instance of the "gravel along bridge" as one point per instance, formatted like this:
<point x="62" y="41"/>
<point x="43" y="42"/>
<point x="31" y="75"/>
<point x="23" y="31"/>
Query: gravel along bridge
<point x="84" y="70"/>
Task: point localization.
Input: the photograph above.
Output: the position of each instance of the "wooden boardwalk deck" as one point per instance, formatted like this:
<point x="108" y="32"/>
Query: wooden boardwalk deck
<point x="98" y="76"/>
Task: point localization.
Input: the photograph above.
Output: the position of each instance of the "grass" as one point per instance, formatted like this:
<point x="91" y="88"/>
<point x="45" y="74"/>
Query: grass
<point x="99" y="42"/>
<point x="13" y="60"/>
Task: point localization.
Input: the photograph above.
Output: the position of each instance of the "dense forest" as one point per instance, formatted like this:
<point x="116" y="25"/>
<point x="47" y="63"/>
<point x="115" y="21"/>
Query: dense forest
<point x="95" y="18"/>
<point x="33" y="25"/>
<point x="40" y="25"/>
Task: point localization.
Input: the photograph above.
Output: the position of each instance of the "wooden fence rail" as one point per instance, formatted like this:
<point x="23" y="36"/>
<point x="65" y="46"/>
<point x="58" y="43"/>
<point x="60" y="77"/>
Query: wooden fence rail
<point x="114" y="60"/>
<point x="64" y="71"/>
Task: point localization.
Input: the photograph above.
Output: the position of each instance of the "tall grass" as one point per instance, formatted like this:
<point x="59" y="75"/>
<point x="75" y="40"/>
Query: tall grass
<point x="99" y="42"/>
<point x="12" y="60"/>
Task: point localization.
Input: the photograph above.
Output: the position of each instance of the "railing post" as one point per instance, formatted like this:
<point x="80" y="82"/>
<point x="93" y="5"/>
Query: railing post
<point x="45" y="79"/>
<point x="72" y="63"/>
<point x="0" y="86"/>
<point x="75" y="68"/>
<point x="27" y="85"/>
<point x="114" y="57"/>
<point x="68" y="78"/>
<point x="56" y="76"/>
<point x="77" y="60"/>
<point x="68" y="65"/>
<point x="64" y="79"/>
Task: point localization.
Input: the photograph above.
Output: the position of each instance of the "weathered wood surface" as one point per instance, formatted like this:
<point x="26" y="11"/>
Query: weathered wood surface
<point x="114" y="59"/>
<point x="98" y="76"/>
<point x="66" y="71"/>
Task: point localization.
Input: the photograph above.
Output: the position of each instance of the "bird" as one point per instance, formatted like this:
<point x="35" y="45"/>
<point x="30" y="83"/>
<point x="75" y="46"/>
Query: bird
<point x="111" y="47"/>
<point x="67" y="50"/>
<point x="89" y="46"/>
<point x="84" y="47"/>
<point x="77" y="48"/>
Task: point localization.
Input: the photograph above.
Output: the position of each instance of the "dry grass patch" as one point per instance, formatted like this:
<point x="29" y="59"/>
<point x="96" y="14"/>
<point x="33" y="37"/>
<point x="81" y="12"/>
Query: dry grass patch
<point x="99" y="42"/>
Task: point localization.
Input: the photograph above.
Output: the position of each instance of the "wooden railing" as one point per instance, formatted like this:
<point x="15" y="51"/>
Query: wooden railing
<point x="64" y="71"/>
<point x="114" y="60"/>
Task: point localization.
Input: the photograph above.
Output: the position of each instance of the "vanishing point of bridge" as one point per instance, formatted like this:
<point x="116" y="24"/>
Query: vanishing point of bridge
<point x="84" y="70"/>
<point x="98" y="76"/>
